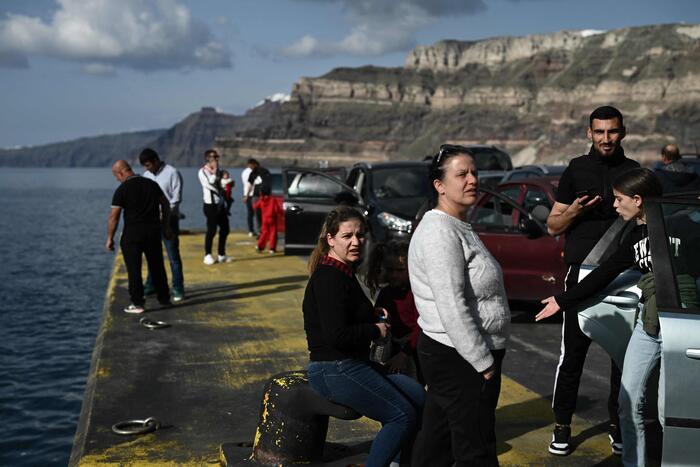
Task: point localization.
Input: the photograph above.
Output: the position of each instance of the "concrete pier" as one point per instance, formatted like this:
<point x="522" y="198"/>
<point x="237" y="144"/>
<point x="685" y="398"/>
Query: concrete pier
<point x="202" y="377"/>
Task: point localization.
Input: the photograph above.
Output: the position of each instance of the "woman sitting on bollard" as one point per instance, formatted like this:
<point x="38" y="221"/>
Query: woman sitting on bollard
<point x="340" y="322"/>
<point x="646" y="344"/>
<point x="464" y="316"/>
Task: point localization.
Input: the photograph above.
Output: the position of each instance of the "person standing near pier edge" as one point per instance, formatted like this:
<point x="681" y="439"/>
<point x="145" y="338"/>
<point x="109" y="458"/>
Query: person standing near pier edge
<point x="214" y="208"/>
<point x="170" y="181"/>
<point x="146" y="211"/>
<point x="584" y="211"/>
<point x="464" y="317"/>
<point x="340" y="322"/>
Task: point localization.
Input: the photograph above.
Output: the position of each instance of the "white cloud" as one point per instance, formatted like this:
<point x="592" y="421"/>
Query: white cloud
<point x="381" y="26"/>
<point x="139" y="34"/>
<point x="276" y="97"/>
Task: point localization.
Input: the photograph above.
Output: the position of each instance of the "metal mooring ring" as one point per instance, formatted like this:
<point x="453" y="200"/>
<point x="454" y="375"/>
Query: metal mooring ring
<point x="150" y="324"/>
<point x="136" y="427"/>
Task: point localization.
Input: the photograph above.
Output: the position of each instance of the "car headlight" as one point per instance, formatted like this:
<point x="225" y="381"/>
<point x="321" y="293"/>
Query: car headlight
<point x="393" y="222"/>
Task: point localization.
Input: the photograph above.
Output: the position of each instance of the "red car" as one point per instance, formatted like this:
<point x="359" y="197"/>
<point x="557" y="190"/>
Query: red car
<point x="510" y="220"/>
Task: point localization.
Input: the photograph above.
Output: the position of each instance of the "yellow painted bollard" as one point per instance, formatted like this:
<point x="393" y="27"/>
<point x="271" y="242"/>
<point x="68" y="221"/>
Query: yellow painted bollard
<point x="293" y="421"/>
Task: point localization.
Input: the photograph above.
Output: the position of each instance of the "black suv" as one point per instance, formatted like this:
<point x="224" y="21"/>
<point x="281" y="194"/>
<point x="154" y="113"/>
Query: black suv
<point x="389" y="193"/>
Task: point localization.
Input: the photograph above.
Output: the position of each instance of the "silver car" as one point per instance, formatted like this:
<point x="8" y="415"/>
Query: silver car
<point x="608" y="319"/>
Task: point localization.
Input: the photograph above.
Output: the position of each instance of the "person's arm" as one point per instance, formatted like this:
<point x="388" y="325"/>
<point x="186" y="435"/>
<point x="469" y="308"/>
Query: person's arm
<point x="594" y="282"/>
<point x="445" y="267"/>
<point x="176" y="189"/>
<point x="112" y="224"/>
<point x="208" y="181"/>
<point x="333" y="301"/>
<point x="563" y="215"/>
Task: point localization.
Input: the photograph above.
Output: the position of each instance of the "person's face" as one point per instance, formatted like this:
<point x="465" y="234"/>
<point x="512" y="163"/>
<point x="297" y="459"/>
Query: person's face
<point x="396" y="270"/>
<point x="152" y="166"/>
<point x="628" y="207"/>
<point x="347" y="244"/>
<point x="460" y="183"/>
<point x="606" y="135"/>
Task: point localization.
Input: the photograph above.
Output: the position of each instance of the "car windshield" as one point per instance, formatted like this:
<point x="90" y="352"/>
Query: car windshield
<point x="491" y="159"/>
<point x="400" y="182"/>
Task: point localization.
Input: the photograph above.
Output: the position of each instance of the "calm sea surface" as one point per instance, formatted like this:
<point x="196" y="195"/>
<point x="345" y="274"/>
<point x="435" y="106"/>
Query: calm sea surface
<point x="53" y="274"/>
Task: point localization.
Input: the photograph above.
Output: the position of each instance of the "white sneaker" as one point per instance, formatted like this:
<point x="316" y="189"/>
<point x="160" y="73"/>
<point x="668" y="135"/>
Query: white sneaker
<point x="134" y="309"/>
<point x="225" y="259"/>
<point x="209" y="260"/>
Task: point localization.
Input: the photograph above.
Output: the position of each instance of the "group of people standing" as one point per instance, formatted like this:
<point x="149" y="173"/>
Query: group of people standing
<point x="151" y="209"/>
<point x="463" y="318"/>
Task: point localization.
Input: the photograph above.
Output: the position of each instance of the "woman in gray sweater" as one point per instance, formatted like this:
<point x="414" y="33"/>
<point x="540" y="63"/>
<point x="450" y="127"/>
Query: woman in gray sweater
<point x="464" y="317"/>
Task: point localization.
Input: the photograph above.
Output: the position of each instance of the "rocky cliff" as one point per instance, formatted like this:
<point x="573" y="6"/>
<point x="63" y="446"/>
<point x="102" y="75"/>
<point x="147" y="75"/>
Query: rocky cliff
<point x="531" y="95"/>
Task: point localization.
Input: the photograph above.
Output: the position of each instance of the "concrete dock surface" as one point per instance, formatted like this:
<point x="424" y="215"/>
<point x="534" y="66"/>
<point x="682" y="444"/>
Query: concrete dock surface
<point x="203" y="376"/>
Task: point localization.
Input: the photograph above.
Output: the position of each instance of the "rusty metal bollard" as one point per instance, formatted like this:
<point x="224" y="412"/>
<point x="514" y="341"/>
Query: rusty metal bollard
<point x="293" y="421"/>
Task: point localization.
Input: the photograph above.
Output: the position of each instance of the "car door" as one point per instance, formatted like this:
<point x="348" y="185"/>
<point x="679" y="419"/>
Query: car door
<point x="530" y="259"/>
<point x="308" y="197"/>
<point x="674" y="237"/>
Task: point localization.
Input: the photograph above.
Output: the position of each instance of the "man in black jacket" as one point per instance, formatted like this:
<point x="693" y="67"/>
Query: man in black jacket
<point x="674" y="175"/>
<point x="584" y="211"/>
<point x="146" y="211"/>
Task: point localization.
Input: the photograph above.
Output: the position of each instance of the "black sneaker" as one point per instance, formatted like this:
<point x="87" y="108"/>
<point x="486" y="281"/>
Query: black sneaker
<point x="615" y="439"/>
<point x="561" y="440"/>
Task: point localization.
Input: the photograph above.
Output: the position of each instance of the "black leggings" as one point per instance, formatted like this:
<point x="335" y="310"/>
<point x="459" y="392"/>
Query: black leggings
<point x="216" y="217"/>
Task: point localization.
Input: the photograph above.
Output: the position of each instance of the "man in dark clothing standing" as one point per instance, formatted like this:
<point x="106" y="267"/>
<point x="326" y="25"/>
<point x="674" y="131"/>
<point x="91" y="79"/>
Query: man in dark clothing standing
<point x="257" y="186"/>
<point x="674" y="175"/>
<point x="584" y="211"/>
<point x="146" y="209"/>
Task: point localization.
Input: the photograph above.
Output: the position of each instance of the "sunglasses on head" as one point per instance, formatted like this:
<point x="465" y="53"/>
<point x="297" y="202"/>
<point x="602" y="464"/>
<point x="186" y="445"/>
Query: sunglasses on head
<point x="448" y="149"/>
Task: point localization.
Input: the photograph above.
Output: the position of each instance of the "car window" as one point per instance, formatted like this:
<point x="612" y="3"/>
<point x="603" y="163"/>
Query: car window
<point x="683" y="227"/>
<point x="400" y="182"/>
<point x="491" y="159"/>
<point x="535" y="197"/>
<point x="493" y="212"/>
<point x="276" y="184"/>
<point x="311" y="185"/>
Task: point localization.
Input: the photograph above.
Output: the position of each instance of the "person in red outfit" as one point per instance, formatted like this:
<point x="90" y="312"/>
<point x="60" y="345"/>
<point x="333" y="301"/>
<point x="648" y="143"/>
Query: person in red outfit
<point x="271" y="210"/>
<point x="388" y="273"/>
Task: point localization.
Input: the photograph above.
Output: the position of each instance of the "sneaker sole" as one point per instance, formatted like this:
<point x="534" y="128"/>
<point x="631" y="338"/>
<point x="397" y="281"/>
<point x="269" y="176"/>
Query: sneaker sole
<point x="615" y="450"/>
<point x="559" y="452"/>
<point x="133" y="312"/>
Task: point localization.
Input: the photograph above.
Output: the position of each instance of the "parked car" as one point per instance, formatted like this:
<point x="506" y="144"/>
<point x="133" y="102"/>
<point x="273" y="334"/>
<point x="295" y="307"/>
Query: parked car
<point x="609" y="317"/>
<point x="511" y="221"/>
<point x="390" y="194"/>
<point x="538" y="170"/>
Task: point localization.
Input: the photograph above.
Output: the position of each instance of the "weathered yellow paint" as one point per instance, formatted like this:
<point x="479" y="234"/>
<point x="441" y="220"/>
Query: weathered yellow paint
<point x="256" y="299"/>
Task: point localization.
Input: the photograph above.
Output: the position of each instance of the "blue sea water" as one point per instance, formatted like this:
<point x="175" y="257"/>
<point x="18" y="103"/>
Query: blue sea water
<point x="54" y="270"/>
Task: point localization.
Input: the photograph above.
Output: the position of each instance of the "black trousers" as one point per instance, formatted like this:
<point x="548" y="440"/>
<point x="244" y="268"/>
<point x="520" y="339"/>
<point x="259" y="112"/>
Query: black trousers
<point x="459" y="418"/>
<point x="250" y="214"/>
<point x="574" y="348"/>
<point x="216" y="218"/>
<point x="134" y="244"/>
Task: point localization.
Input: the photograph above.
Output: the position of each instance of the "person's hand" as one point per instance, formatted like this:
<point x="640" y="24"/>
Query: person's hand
<point x="585" y="202"/>
<point x="383" y="328"/>
<point x="379" y="311"/>
<point x="245" y="198"/>
<point x="550" y="307"/>
<point x="398" y="363"/>
<point x="488" y="373"/>
<point x="109" y="244"/>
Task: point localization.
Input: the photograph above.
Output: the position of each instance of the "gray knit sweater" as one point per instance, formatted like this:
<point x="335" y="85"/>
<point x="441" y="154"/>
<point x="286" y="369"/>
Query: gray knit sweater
<point x="458" y="288"/>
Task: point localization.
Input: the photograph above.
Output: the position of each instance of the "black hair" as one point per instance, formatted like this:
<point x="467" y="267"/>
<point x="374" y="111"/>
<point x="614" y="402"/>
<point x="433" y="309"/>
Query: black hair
<point x="265" y="189"/>
<point x="437" y="171"/>
<point x="209" y="152"/>
<point x="253" y="161"/>
<point x="148" y="155"/>
<point x="397" y="249"/>
<point x="606" y="112"/>
<point x="330" y="226"/>
<point x="639" y="181"/>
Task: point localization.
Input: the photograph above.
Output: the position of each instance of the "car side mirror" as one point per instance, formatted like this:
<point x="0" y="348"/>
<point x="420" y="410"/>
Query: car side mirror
<point x="530" y="228"/>
<point x="541" y="213"/>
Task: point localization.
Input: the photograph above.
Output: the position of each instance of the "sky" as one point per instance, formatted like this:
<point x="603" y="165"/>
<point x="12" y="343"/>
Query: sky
<point x="75" y="68"/>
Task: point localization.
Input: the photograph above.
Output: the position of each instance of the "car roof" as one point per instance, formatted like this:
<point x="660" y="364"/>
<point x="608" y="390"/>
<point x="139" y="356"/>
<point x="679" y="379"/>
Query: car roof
<point x="544" y="181"/>
<point x="390" y="164"/>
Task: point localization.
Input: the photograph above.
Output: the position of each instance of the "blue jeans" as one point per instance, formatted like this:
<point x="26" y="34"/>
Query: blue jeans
<point x="394" y="400"/>
<point x="172" y="247"/>
<point x="642" y="356"/>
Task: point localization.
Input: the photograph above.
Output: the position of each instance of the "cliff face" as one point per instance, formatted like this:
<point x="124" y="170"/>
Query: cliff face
<point x="531" y="95"/>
